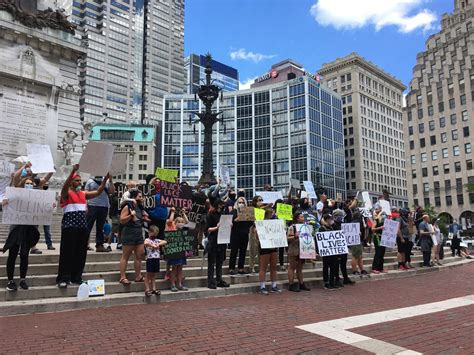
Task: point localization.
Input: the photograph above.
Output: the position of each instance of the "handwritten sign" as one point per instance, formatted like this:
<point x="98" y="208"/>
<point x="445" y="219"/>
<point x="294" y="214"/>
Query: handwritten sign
<point x="224" y="174"/>
<point x="176" y="195"/>
<point x="168" y="175"/>
<point x="284" y="211"/>
<point x="331" y="243"/>
<point x="271" y="233"/>
<point x="119" y="164"/>
<point x="246" y="214"/>
<point x="180" y="244"/>
<point x="40" y="157"/>
<point x="309" y="187"/>
<point x="198" y="209"/>
<point x="389" y="233"/>
<point x="96" y="288"/>
<point x="367" y="200"/>
<point x="96" y="158"/>
<point x="352" y="233"/>
<point x="306" y="241"/>
<point x="6" y="169"/>
<point x="270" y="196"/>
<point x="386" y="207"/>
<point x="28" y="207"/>
<point x="225" y="226"/>
<point x="259" y="214"/>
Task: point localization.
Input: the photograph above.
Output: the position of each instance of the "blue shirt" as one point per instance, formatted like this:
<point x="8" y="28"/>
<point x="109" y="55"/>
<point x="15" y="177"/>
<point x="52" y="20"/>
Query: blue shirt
<point x="100" y="201"/>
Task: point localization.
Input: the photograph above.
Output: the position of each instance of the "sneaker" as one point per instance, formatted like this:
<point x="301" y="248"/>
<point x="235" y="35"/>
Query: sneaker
<point x="232" y="273"/>
<point x="23" y="285"/>
<point x="242" y="272"/>
<point x="109" y="248"/>
<point x="119" y="246"/>
<point x="212" y="286"/>
<point x="100" y="249"/>
<point x="36" y="251"/>
<point x="349" y="282"/>
<point x="363" y="272"/>
<point x="182" y="288"/>
<point x="62" y="284"/>
<point x="50" y="247"/>
<point x="263" y="291"/>
<point x="275" y="290"/>
<point x="294" y="287"/>
<point x="375" y="272"/>
<point x="222" y="284"/>
<point x="89" y="248"/>
<point x="174" y="288"/>
<point x="253" y="271"/>
<point x="356" y="273"/>
<point x="12" y="286"/>
<point x="329" y="287"/>
<point x="439" y="263"/>
<point x="402" y="268"/>
<point x="304" y="287"/>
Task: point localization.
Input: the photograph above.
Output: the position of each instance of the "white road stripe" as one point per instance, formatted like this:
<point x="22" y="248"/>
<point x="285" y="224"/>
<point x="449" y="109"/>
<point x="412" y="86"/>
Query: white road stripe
<point x="337" y="329"/>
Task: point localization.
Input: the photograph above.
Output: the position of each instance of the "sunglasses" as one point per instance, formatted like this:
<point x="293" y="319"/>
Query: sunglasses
<point x="259" y="200"/>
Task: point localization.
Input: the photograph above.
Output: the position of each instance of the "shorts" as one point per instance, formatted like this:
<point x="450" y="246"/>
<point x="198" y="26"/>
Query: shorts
<point x="115" y="224"/>
<point x="132" y="236"/>
<point x="268" y="251"/>
<point x="174" y="262"/>
<point x="153" y="265"/>
<point x="356" y="251"/>
<point x="293" y="259"/>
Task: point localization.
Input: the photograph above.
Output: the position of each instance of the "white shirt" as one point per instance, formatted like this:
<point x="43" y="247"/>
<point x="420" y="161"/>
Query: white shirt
<point x="150" y="252"/>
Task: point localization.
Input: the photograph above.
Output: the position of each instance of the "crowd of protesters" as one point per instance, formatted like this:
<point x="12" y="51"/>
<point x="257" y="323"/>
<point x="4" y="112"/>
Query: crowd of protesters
<point x="141" y="231"/>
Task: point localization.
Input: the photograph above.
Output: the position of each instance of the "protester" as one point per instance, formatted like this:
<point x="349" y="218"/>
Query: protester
<point x="152" y="247"/>
<point x="409" y="232"/>
<point x="453" y="231"/>
<point x="158" y="213"/>
<point x="239" y="238"/>
<point x="439" y="240"/>
<point x="377" y="228"/>
<point x="132" y="217"/>
<point x="426" y="231"/>
<point x="339" y="216"/>
<point x="295" y="263"/>
<point x="321" y="205"/>
<point x="97" y="211"/>
<point x="268" y="258"/>
<point x="215" y="252"/>
<point x="257" y="202"/>
<point x="281" y="251"/>
<point x="175" y="266"/>
<point x="74" y="231"/>
<point x="330" y="263"/>
<point x="230" y="203"/>
<point x="114" y="215"/>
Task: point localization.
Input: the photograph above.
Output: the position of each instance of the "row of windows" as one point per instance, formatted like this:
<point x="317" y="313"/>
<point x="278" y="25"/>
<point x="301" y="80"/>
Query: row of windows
<point x="446" y="169"/>
<point x="444" y="153"/>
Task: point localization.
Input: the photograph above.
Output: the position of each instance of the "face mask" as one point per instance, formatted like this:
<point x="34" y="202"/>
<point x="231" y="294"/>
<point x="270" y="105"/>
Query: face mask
<point x="28" y="186"/>
<point x="241" y="204"/>
<point x="78" y="188"/>
<point x="331" y="223"/>
<point x="232" y="196"/>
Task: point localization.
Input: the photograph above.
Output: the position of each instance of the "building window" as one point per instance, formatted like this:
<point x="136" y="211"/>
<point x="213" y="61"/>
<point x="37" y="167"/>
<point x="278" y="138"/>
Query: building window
<point x="426" y="201"/>
<point x="441" y="106"/>
<point x="415" y="189"/>
<point x="460" y="199"/>
<point x="426" y="187"/>
<point x="410" y="131"/>
<point x="413" y="174"/>
<point x="430" y="110"/>
<point x="424" y="172"/>
<point x="142" y="157"/>
<point x="434" y="155"/>
<point x="444" y="137"/>
<point x="462" y="98"/>
<point x="467" y="148"/>
<point x="435" y="171"/>
<point x="437" y="201"/>
<point x="422" y="142"/>
<point x="452" y="104"/>
<point x="445" y="152"/>
<point x="433" y="140"/>
<point x="456" y="150"/>
<point x="446" y="168"/>
<point x="465" y="131"/>
<point x="464" y="115"/>
<point x="420" y="113"/>
<point x="453" y="118"/>
<point x="469" y="164"/>
<point x="410" y="117"/>
<point x="454" y="134"/>
<point x="449" y="201"/>
<point x="421" y="128"/>
<point x="436" y="186"/>
<point x="412" y="144"/>
<point x="432" y="125"/>
<point x="442" y="122"/>
<point x="457" y="166"/>
<point x="413" y="159"/>
<point x="415" y="202"/>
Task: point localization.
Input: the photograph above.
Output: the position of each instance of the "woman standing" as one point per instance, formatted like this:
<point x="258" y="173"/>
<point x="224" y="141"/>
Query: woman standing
<point x="216" y="252"/>
<point x="268" y="257"/>
<point x="74" y="232"/>
<point x="239" y="238"/>
<point x="257" y="202"/>
<point x="377" y="264"/>
<point x="330" y="263"/>
<point x="132" y="217"/>
<point x="438" y="238"/>
<point x="295" y="263"/>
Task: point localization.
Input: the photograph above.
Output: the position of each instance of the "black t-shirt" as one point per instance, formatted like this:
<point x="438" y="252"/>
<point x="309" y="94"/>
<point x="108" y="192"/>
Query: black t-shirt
<point x="240" y="226"/>
<point x="212" y="221"/>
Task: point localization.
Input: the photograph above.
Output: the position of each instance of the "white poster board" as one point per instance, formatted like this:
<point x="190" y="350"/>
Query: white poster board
<point x="40" y="157"/>
<point x="307" y="244"/>
<point x="309" y="187"/>
<point x="224" y="174"/>
<point x="29" y="207"/>
<point x="119" y="164"/>
<point x="270" y="196"/>
<point x="6" y="169"/>
<point x="331" y="243"/>
<point x="225" y="226"/>
<point x="389" y="233"/>
<point x="386" y="207"/>
<point x="271" y="233"/>
<point x="367" y="201"/>
<point x="352" y="233"/>
<point x="96" y="159"/>
<point x="96" y="288"/>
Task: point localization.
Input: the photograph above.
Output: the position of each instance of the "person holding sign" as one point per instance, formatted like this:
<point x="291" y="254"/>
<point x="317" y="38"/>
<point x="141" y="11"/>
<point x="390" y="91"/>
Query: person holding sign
<point x="152" y="247"/>
<point x="216" y="252"/>
<point x="330" y="263"/>
<point x="257" y="202"/>
<point x="239" y="238"/>
<point x="377" y="228"/>
<point x="294" y="261"/>
<point x="74" y="231"/>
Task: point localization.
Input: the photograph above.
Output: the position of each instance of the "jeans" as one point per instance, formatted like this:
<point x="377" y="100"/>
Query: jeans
<point x="72" y="255"/>
<point x="238" y="245"/>
<point x="408" y="248"/>
<point x="215" y="258"/>
<point x="12" y="254"/>
<point x="330" y="269"/>
<point x="426" y="258"/>
<point x="47" y="235"/>
<point x="97" y="215"/>
<point x="377" y="264"/>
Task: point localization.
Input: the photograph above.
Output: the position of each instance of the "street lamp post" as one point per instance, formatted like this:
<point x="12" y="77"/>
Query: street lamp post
<point x="208" y="93"/>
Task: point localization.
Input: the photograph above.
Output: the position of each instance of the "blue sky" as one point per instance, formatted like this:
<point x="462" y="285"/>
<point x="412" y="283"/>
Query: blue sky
<point x="251" y="35"/>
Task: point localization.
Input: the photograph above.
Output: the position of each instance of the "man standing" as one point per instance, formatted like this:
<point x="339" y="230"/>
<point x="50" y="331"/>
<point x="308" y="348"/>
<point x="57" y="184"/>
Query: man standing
<point x="455" y="241"/>
<point x="97" y="210"/>
<point x="425" y="230"/>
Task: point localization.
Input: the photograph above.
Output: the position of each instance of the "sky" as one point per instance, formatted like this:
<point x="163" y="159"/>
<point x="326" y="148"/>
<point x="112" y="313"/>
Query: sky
<point x="251" y="35"/>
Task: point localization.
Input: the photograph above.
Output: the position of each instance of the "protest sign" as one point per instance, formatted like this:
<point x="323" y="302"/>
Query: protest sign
<point x="307" y="244"/>
<point x="96" y="288"/>
<point x="389" y="233"/>
<point x="309" y="187"/>
<point x="198" y="209"/>
<point x="6" y="170"/>
<point x="28" y="207"/>
<point x="180" y="244"/>
<point x="148" y="193"/>
<point x="168" y="175"/>
<point x="176" y="195"/>
<point x="331" y="243"/>
<point x="338" y="197"/>
<point x="352" y="233"/>
<point x="224" y="174"/>
<point x="259" y="214"/>
<point x="271" y="233"/>
<point x="96" y="158"/>
<point x="225" y="226"/>
<point x="284" y="211"/>
<point x="246" y="214"/>
<point x="309" y="217"/>
<point x="270" y="196"/>
<point x="367" y="200"/>
<point x="386" y="207"/>
<point x="303" y="194"/>
<point x="40" y="157"/>
<point x="119" y="164"/>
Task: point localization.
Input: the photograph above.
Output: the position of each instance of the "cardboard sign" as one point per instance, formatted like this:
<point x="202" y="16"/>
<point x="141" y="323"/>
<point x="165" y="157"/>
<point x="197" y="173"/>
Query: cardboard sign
<point x="303" y="194"/>
<point x="352" y="233"/>
<point x="307" y="244"/>
<point x="271" y="233"/>
<point x="180" y="244"/>
<point x="270" y="196"/>
<point x="259" y="214"/>
<point x="198" y="208"/>
<point x="367" y="200"/>
<point x="224" y="174"/>
<point x="176" y="195"/>
<point x="96" y="158"/>
<point x="148" y="193"/>
<point x="40" y="157"/>
<point x="386" y="207"/>
<point x="96" y="288"/>
<point x="119" y="164"/>
<point x="247" y="214"/>
<point x="389" y="233"/>
<point x="309" y="187"/>
<point x="284" y="211"/>
<point x="6" y="169"/>
<point x="29" y="207"/>
<point x="225" y="226"/>
<point x="295" y="183"/>
<point x="168" y="175"/>
<point x="331" y="243"/>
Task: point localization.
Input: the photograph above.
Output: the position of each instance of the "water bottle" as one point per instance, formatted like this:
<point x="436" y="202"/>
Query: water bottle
<point x="83" y="292"/>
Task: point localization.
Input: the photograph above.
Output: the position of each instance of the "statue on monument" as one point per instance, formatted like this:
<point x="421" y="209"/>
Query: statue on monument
<point x="68" y="145"/>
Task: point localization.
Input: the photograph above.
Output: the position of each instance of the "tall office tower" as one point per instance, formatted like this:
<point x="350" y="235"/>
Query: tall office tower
<point x="194" y="65"/>
<point x="373" y="127"/>
<point x="438" y="118"/>
<point x="134" y="56"/>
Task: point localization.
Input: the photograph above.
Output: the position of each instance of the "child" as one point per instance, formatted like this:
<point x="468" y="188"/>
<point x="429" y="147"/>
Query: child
<point x="176" y="275"/>
<point x="152" y="247"/>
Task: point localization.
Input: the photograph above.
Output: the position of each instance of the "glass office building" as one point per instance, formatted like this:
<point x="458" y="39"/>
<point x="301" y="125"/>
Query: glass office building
<point x="291" y="129"/>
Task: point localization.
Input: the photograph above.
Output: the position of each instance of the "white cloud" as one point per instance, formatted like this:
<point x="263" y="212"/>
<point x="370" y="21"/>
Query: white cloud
<point x="405" y="14"/>
<point x="246" y="84"/>
<point x="242" y="54"/>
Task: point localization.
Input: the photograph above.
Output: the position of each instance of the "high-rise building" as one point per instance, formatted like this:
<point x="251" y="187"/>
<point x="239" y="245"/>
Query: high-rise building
<point x="373" y="127"/>
<point x="290" y="129"/>
<point x="438" y="118"/>
<point x="134" y="56"/>
<point x="194" y="65"/>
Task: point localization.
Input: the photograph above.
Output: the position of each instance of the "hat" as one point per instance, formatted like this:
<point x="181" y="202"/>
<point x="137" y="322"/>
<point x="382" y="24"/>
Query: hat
<point x="327" y="216"/>
<point x="338" y="213"/>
